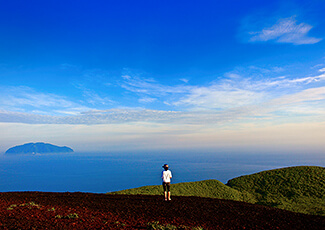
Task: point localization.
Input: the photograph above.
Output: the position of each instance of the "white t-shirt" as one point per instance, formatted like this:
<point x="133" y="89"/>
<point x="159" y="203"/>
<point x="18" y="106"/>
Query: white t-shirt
<point x="166" y="175"/>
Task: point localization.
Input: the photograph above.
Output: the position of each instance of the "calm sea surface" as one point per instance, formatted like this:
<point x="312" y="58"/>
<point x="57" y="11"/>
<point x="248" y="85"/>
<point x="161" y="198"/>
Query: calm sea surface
<point x="102" y="173"/>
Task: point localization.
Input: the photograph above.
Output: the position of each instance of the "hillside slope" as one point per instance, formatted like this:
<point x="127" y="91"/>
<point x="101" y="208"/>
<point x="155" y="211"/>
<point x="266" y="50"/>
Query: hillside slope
<point x="207" y="188"/>
<point x="298" y="189"/>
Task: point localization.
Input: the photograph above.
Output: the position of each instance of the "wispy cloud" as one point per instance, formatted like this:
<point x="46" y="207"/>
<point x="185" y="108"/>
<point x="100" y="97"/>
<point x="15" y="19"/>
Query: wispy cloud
<point x="286" y="30"/>
<point x="147" y="100"/>
<point x="234" y="97"/>
<point x="150" y="86"/>
<point x="184" y="80"/>
<point x="221" y="103"/>
<point x="237" y="91"/>
<point x="112" y="116"/>
<point x="265" y="83"/>
<point x="216" y="97"/>
<point x="92" y="97"/>
<point x="308" y="95"/>
<point x="26" y="99"/>
<point x="295" y="104"/>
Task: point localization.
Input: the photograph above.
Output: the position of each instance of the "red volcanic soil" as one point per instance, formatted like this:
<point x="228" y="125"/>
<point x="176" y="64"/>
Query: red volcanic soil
<point x="40" y="210"/>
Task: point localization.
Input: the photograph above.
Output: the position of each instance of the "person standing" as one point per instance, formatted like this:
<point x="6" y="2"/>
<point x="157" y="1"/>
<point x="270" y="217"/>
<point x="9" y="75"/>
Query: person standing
<point x="166" y="175"/>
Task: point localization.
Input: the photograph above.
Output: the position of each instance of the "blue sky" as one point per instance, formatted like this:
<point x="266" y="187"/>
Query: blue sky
<point x="156" y="75"/>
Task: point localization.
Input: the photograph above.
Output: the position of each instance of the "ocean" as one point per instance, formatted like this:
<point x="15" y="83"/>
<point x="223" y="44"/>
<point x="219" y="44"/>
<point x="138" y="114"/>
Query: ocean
<point x="101" y="173"/>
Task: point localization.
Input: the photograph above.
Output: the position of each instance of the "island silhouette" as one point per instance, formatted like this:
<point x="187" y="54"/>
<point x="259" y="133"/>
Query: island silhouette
<point x="38" y="148"/>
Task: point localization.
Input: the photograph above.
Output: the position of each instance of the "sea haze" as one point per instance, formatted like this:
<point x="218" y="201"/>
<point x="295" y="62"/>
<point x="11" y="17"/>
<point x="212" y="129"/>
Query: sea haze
<point x="100" y="173"/>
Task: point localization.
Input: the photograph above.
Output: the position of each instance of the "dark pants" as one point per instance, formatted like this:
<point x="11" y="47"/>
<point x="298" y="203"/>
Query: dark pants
<point x="166" y="186"/>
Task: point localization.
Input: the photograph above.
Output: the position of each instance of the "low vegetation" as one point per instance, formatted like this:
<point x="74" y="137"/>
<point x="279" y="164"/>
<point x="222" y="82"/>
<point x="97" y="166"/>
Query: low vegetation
<point x="299" y="189"/>
<point x="207" y="188"/>
<point x="29" y="205"/>
<point x="157" y="226"/>
<point x="69" y="216"/>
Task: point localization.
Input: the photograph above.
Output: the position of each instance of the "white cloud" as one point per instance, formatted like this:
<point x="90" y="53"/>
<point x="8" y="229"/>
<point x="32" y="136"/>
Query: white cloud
<point x="301" y="106"/>
<point x="150" y="86"/>
<point x="286" y="31"/>
<point x="312" y="94"/>
<point x="126" y="77"/>
<point x="237" y="97"/>
<point x="184" y="80"/>
<point x="147" y="100"/>
<point x="94" y="98"/>
<point x="214" y="97"/>
<point x="112" y="116"/>
<point x="26" y="99"/>
<point x="283" y="82"/>
<point x="238" y="91"/>
<point x="212" y="107"/>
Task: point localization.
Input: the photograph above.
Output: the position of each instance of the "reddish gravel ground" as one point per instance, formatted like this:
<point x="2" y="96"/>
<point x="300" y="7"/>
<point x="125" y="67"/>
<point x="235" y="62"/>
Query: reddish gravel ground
<point x="39" y="210"/>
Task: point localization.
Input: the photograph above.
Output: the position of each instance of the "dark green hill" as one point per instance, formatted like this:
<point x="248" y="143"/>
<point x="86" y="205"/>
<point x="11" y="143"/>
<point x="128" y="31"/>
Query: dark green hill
<point x="33" y="148"/>
<point x="207" y="188"/>
<point x="298" y="189"/>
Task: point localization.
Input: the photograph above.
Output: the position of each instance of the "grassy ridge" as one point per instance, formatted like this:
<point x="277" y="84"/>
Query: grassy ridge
<point x="298" y="189"/>
<point x="207" y="188"/>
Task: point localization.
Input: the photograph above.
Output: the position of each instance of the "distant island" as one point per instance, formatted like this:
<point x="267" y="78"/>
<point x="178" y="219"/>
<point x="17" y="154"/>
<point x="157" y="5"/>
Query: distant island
<point x="38" y="148"/>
